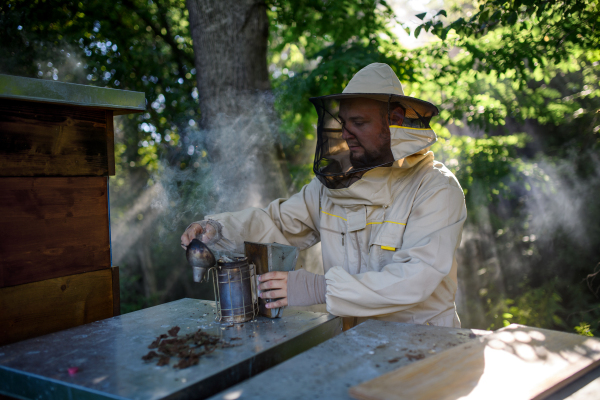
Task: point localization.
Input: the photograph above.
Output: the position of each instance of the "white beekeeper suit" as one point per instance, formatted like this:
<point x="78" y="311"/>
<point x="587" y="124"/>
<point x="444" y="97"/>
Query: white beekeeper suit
<point x="388" y="240"/>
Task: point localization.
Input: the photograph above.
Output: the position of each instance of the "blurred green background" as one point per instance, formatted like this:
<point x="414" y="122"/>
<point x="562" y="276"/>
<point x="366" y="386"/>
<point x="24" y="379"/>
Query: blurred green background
<point x="516" y="83"/>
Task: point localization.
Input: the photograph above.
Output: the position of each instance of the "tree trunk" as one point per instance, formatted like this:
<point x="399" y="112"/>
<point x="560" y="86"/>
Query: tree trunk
<point x="238" y="121"/>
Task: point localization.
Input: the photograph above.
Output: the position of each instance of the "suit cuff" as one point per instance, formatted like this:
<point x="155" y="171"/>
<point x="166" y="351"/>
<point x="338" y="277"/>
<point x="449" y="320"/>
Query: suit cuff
<point x="305" y="288"/>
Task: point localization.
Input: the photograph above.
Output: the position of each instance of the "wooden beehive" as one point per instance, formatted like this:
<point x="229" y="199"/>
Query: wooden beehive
<point x="56" y="153"/>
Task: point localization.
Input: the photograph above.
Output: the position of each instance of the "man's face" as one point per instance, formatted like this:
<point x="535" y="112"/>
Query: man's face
<point x="366" y="132"/>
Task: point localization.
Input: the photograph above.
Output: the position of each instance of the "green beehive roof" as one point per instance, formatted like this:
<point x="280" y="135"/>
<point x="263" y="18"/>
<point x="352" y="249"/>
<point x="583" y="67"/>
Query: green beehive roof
<point x="46" y="91"/>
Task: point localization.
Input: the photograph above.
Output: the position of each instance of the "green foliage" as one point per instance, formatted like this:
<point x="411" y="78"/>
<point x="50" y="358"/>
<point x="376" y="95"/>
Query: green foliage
<point x="497" y="68"/>
<point x="541" y="306"/>
<point x="490" y="161"/>
<point x="539" y="31"/>
<point x="583" y="329"/>
<point x="313" y="24"/>
<point x="485" y="98"/>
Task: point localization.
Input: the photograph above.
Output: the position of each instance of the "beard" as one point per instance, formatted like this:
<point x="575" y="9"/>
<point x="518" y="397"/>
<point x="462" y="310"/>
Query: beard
<point x="365" y="159"/>
<point x="374" y="158"/>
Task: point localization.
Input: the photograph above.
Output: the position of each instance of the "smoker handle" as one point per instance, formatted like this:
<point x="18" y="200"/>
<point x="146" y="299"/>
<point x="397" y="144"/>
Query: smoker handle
<point x="255" y="290"/>
<point x="213" y="271"/>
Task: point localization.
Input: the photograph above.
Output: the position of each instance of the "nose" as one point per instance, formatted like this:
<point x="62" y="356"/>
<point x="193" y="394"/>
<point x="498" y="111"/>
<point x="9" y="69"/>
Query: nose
<point x="346" y="134"/>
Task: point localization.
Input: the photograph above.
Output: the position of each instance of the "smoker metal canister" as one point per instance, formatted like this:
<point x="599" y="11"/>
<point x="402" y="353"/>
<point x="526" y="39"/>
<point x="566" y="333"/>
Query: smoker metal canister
<point x="236" y="290"/>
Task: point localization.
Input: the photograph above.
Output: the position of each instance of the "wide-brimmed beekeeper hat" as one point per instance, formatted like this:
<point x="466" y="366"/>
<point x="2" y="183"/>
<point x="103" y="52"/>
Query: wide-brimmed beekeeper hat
<point x="378" y="81"/>
<point x="333" y="163"/>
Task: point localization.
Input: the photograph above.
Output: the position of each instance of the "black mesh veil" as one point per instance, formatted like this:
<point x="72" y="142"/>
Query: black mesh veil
<point x="333" y="165"/>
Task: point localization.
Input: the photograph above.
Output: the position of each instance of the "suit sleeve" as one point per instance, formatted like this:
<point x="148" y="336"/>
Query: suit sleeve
<point x="292" y="221"/>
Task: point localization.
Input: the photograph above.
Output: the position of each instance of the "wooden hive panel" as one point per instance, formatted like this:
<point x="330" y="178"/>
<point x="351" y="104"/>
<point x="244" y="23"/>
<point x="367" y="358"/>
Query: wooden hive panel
<point x="56" y="149"/>
<point x="39" y="308"/>
<point x="38" y="139"/>
<point x="52" y="227"/>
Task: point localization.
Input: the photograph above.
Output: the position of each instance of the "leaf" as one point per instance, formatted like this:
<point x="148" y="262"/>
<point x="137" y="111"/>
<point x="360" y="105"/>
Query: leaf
<point x="484" y="16"/>
<point x="584" y="329"/>
<point x="442" y="12"/>
<point x="444" y="33"/>
<point x="421" y="16"/>
<point x="418" y="30"/>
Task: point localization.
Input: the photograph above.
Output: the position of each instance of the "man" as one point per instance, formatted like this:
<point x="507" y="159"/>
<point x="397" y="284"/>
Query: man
<point x="388" y="216"/>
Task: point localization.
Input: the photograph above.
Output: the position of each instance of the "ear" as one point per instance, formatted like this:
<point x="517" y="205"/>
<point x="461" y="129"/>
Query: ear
<point x="397" y="116"/>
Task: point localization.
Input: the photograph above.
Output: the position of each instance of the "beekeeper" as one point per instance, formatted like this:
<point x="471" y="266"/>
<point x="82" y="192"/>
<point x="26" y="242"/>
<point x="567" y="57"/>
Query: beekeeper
<point x="389" y="217"/>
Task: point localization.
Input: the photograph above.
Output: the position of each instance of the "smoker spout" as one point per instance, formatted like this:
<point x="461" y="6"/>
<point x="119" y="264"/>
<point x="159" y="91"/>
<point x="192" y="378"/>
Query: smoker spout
<point x="200" y="258"/>
<point x="199" y="274"/>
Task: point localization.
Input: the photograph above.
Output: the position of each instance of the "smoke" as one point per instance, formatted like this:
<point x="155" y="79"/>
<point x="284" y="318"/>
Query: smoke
<point x="124" y="230"/>
<point x="563" y="206"/>
<point x="548" y="232"/>
<point x="227" y="168"/>
<point x="231" y="166"/>
<point x="64" y="64"/>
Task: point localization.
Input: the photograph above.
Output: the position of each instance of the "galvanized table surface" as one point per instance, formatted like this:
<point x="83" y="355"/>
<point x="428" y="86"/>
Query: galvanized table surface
<point x="362" y="353"/>
<point x="108" y="354"/>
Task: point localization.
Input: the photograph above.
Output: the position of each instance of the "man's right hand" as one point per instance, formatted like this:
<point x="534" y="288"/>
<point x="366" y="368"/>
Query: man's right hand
<point x="195" y="231"/>
<point x="190" y="233"/>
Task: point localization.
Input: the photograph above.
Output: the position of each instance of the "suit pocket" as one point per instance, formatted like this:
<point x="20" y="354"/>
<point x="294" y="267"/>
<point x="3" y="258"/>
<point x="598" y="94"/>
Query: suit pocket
<point x="389" y="235"/>
<point x="384" y="243"/>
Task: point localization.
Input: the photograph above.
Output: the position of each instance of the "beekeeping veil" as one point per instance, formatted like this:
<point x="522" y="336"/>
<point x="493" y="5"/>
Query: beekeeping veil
<point x="376" y="81"/>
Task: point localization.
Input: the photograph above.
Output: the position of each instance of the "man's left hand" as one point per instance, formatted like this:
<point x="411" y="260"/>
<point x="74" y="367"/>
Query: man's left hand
<point x="273" y="285"/>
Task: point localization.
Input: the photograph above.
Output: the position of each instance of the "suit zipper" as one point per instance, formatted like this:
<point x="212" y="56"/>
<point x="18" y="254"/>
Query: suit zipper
<point x="358" y="249"/>
<point x="331" y="230"/>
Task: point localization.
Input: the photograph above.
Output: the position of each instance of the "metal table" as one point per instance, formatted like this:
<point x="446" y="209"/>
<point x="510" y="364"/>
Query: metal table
<point x="108" y="354"/>
<point x="362" y="353"/>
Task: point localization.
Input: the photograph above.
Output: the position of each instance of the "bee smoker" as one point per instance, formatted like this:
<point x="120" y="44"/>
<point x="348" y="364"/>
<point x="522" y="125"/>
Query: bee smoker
<point x="235" y="280"/>
<point x="235" y="287"/>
